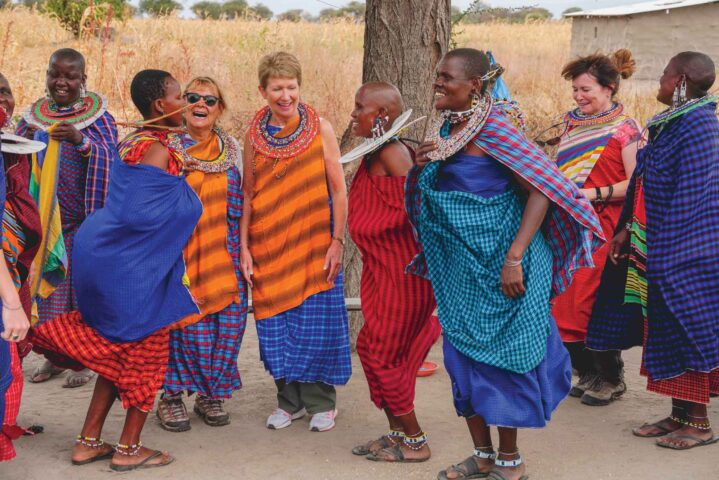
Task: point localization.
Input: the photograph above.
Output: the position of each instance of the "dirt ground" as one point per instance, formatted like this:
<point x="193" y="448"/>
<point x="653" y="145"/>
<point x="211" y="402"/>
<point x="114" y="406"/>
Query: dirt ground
<point x="580" y="443"/>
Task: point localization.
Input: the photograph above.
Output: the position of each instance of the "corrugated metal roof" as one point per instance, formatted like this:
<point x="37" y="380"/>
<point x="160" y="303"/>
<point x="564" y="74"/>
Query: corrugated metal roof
<point x="643" y="7"/>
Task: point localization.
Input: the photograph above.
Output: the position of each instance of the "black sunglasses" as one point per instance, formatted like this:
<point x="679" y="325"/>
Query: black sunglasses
<point x="553" y="140"/>
<point x="210" y="100"/>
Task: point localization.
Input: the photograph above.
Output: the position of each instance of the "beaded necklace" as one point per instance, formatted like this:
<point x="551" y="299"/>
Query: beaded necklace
<point x="674" y="112"/>
<point x="45" y="112"/>
<point x="287" y="147"/>
<point x="575" y="118"/>
<point x="448" y="144"/>
<point x="228" y="157"/>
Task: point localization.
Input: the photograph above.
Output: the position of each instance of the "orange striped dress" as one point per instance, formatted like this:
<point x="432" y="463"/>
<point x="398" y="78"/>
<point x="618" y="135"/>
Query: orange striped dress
<point x="289" y="232"/>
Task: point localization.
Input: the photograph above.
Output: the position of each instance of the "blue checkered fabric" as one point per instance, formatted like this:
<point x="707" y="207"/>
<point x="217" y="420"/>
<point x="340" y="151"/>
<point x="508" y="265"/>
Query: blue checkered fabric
<point x="680" y="172"/>
<point x="309" y="343"/>
<point x="465" y="238"/>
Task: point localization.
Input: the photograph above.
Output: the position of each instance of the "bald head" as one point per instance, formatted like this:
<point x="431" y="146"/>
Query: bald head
<point x="383" y="95"/>
<point x="68" y="55"/>
<point x="699" y="70"/>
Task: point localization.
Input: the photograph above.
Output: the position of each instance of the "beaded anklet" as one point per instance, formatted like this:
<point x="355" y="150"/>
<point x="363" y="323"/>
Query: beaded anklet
<point x="398" y="434"/>
<point x="485" y="455"/>
<point x="698" y="426"/>
<point x="509" y="463"/>
<point x="89" y="442"/>
<point x="416" y="442"/>
<point x="129" y="450"/>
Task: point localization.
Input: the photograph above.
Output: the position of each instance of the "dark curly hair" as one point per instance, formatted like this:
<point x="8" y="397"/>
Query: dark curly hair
<point x="146" y="87"/>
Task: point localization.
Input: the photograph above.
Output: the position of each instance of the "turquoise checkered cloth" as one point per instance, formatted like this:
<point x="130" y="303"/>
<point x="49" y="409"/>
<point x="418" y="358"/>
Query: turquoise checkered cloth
<point x="465" y="238"/>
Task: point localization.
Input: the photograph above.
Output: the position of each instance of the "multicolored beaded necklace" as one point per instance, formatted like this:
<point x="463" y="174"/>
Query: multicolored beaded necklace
<point x="229" y="156"/>
<point x="447" y="144"/>
<point x="284" y="147"/>
<point x="45" y="112"/>
<point x="672" y="113"/>
<point x="575" y="118"/>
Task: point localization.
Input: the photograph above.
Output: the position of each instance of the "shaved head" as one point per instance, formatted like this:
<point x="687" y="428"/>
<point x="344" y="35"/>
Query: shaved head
<point x="69" y="55"/>
<point x="699" y="70"/>
<point x="384" y="95"/>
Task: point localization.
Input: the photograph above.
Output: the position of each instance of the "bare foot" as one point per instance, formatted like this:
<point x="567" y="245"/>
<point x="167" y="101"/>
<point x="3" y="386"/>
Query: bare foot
<point x="657" y="429"/>
<point x="686" y="437"/>
<point x="470" y="466"/>
<point x="82" y="454"/>
<point x="144" y="453"/>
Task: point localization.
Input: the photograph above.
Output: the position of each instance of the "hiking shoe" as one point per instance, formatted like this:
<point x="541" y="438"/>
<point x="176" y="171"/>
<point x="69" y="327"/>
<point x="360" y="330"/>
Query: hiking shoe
<point x="211" y="411"/>
<point x="603" y="393"/>
<point x="172" y="413"/>
<point x="323" y="421"/>
<point x="584" y="383"/>
<point x="281" y="419"/>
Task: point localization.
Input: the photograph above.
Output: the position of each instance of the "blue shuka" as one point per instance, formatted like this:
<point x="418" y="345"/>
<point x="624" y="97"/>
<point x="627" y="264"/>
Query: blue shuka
<point x="5" y="373"/>
<point x="128" y="263"/>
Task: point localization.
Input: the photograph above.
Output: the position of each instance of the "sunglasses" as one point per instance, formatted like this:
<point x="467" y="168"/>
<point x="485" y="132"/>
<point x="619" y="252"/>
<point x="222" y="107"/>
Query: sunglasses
<point x="210" y="100"/>
<point x="552" y="141"/>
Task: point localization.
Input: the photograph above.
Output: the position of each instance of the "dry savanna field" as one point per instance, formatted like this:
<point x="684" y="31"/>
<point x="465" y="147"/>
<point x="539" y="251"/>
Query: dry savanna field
<point x="331" y="54"/>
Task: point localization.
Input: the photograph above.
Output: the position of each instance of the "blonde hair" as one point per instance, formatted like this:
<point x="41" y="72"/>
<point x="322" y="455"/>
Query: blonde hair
<point x="208" y="81"/>
<point x="279" y="65"/>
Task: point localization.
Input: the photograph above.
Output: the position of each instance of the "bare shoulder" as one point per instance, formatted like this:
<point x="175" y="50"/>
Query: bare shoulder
<point x="157" y="155"/>
<point x="326" y="128"/>
<point x="395" y="159"/>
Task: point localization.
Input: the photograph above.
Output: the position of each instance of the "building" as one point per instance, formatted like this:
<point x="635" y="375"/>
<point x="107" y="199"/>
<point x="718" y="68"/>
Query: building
<point x="653" y="31"/>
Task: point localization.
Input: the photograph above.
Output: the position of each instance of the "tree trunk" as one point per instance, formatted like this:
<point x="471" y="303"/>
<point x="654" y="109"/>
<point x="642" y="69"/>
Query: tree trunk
<point x="403" y="42"/>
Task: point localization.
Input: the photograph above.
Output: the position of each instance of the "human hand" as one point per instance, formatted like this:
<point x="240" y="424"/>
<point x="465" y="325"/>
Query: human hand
<point x="191" y="165"/>
<point x="66" y="132"/>
<point x="618" y="245"/>
<point x="15" y="322"/>
<point x="246" y="264"/>
<point x="333" y="260"/>
<point x="512" y="281"/>
<point x="421" y="158"/>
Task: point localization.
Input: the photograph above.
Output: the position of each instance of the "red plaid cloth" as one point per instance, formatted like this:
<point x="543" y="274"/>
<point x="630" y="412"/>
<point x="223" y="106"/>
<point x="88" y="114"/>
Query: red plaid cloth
<point x="136" y="368"/>
<point x="690" y="386"/>
<point x="10" y="431"/>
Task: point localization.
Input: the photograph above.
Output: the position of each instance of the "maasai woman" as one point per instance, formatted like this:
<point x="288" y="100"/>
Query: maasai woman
<point x="478" y="211"/>
<point x="399" y="327"/>
<point x="670" y="216"/>
<point x="203" y="354"/>
<point x="73" y="173"/>
<point x="292" y="239"/>
<point x="129" y="279"/>
<point x="20" y="242"/>
<point x="597" y="151"/>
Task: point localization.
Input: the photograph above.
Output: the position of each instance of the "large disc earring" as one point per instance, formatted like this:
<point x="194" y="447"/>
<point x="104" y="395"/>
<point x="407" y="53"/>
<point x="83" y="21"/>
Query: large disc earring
<point x="378" y="128"/>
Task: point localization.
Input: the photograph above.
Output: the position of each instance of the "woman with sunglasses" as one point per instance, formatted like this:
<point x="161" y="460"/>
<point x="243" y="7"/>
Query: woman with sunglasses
<point x="292" y="228"/>
<point x="478" y="206"/>
<point x="597" y="151"/>
<point x="203" y="353"/>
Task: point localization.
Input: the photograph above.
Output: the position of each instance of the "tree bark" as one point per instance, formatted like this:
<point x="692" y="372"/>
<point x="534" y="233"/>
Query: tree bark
<point x="403" y="42"/>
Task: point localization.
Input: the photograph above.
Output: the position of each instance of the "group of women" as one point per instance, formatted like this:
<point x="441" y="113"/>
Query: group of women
<point x="141" y="267"/>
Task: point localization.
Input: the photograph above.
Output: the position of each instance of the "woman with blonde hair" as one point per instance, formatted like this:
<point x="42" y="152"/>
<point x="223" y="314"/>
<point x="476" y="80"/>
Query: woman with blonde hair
<point x="292" y="240"/>
<point x="203" y="353"/>
<point x="597" y="151"/>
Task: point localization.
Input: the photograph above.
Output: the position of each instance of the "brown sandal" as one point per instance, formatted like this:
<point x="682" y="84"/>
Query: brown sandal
<point x="385" y="441"/>
<point x="143" y="464"/>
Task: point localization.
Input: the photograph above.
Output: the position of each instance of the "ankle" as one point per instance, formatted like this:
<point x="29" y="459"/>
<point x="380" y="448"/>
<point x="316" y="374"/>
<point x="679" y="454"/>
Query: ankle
<point x="417" y="441"/>
<point x="129" y="450"/>
<point x="89" y="442"/>
<point x="508" y="459"/>
<point x="486" y="453"/>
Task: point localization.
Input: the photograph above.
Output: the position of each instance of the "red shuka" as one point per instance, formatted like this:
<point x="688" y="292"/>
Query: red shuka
<point x="399" y="327"/>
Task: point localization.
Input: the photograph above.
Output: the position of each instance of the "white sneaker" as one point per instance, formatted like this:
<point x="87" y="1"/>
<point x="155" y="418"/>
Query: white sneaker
<point x="323" y="421"/>
<point x="281" y="419"/>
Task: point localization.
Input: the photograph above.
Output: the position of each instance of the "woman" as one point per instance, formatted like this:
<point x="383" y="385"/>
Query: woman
<point x="478" y="209"/>
<point x="671" y="233"/>
<point x="20" y="241"/>
<point x="292" y="240"/>
<point x="399" y="327"/>
<point x="597" y="151"/>
<point x="203" y="353"/>
<point x="72" y="174"/>
<point x="131" y="249"/>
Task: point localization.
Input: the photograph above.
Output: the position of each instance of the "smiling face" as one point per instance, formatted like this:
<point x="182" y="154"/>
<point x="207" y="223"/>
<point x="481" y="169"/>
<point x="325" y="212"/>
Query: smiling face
<point x="366" y="111"/>
<point x="65" y="78"/>
<point x="283" y="97"/>
<point x="200" y="116"/>
<point x="452" y="89"/>
<point x="590" y="96"/>
<point x="7" y="101"/>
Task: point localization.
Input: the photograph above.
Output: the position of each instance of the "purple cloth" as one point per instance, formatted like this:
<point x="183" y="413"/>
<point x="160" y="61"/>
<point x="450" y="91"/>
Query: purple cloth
<point x="481" y="175"/>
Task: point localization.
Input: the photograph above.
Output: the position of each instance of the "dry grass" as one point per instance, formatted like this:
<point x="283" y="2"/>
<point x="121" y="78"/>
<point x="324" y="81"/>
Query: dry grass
<point x="331" y="55"/>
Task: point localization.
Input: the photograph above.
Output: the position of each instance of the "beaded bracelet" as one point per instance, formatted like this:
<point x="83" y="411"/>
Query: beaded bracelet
<point x="84" y="146"/>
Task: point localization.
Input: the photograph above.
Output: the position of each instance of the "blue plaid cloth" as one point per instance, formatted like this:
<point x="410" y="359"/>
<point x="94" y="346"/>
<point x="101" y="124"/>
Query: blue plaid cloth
<point x="465" y="238"/>
<point x="203" y="356"/>
<point x="680" y="171"/>
<point x="309" y="343"/>
<point x="572" y="227"/>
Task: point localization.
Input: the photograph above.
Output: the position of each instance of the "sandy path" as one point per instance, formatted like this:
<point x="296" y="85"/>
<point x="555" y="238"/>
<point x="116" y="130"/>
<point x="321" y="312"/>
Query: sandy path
<point x="580" y="443"/>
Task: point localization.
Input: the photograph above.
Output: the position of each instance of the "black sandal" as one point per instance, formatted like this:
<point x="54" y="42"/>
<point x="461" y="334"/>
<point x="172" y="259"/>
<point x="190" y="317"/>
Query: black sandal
<point x="143" y="464"/>
<point x="385" y="441"/>
<point x="467" y="469"/>
<point x="95" y="444"/>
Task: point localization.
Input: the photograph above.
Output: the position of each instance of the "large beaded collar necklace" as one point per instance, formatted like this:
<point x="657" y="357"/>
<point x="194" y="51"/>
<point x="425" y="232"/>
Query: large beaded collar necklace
<point x="575" y="118"/>
<point x="284" y="147"/>
<point x="229" y="156"/>
<point x="45" y="112"/>
<point x="674" y="112"/>
<point x="447" y="144"/>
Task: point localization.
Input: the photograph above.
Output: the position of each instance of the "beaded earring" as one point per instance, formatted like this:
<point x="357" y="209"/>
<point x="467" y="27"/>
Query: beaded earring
<point x="378" y="129"/>
<point x="83" y="91"/>
<point x="680" y="93"/>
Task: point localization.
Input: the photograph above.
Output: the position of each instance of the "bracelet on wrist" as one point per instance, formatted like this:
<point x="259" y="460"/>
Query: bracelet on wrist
<point x="12" y="309"/>
<point x="84" y="146"/>
<point x="513" y="263"/>
<point x="340" y="239"/>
